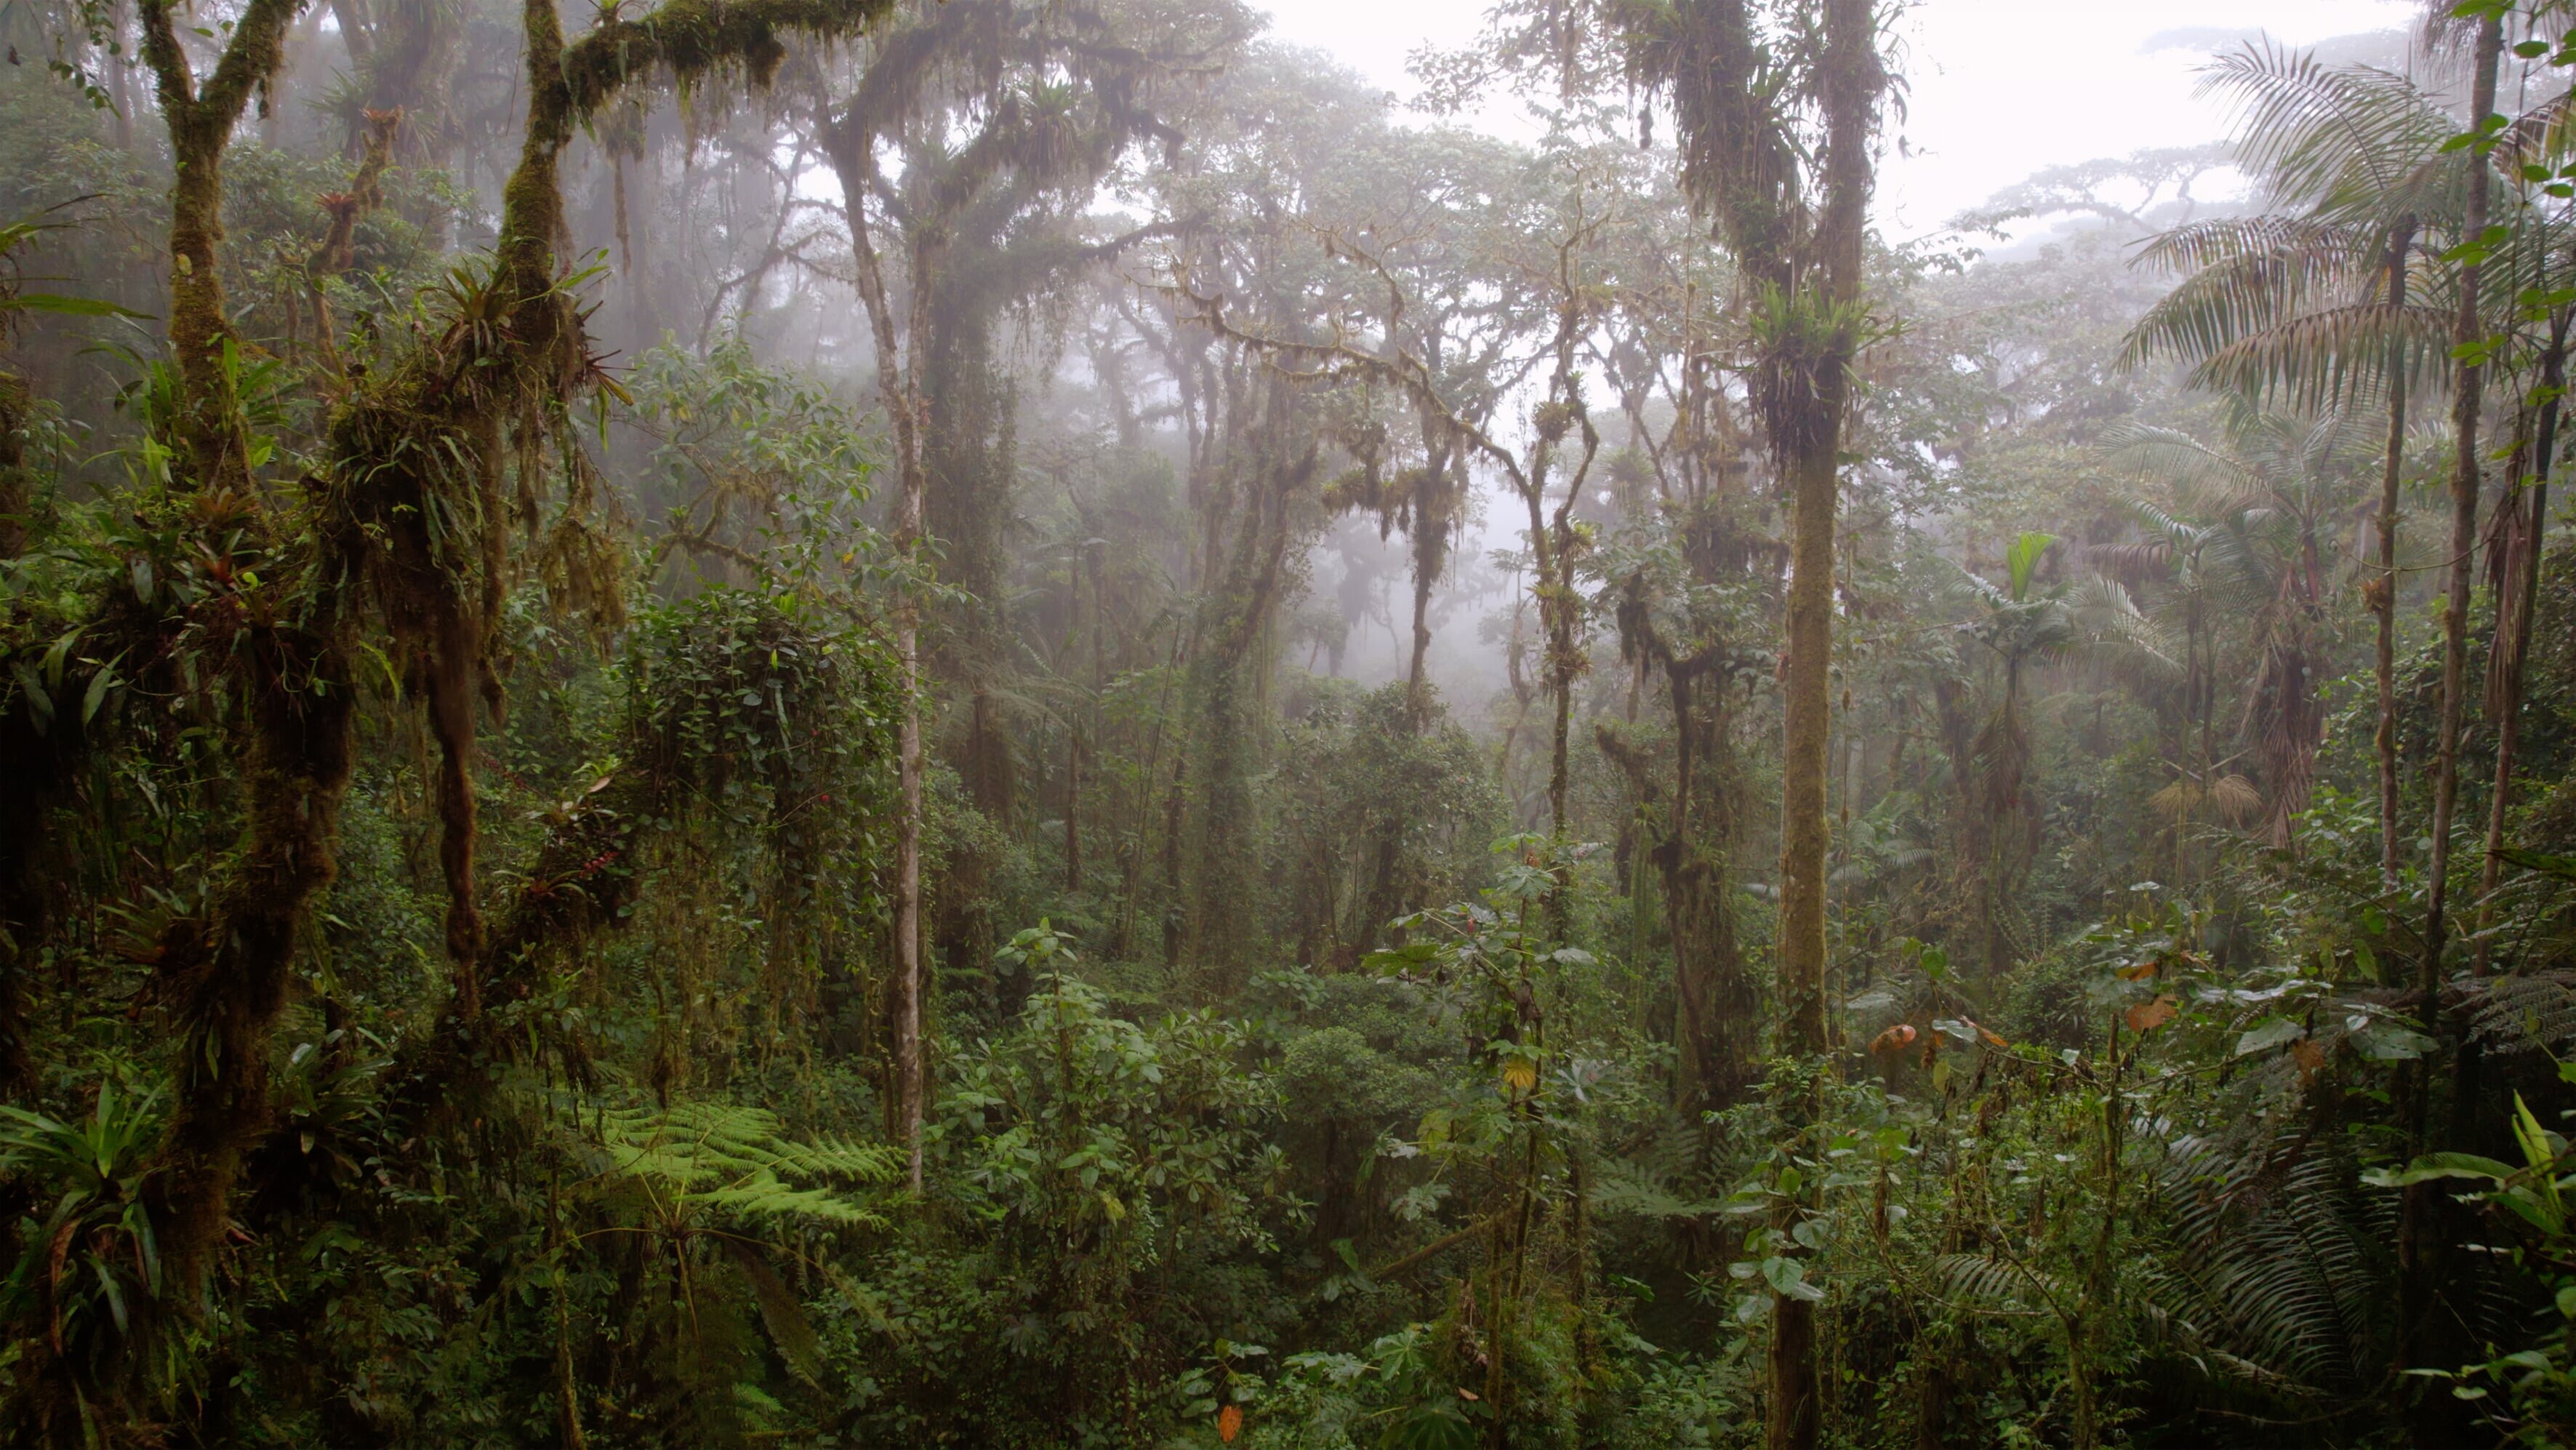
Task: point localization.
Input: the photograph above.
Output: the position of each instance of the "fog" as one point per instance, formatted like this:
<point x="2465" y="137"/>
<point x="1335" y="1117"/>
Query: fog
<point x="1137" y="724"/>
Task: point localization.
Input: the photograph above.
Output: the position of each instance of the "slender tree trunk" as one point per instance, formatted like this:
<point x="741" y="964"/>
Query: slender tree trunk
<point x="1073" y="811"/>
<point x="908" y="969"/>
<point x="2401" y="240"/>
<point x="1716" y="1007"/>
<point x="2513" y="627"/>
<point x="907" y="873"/>
<point x="1852" y="80"/>
<point x="898" y="387"/>
<point x="2415" y="1231"/>
<point x="17" y="498"/>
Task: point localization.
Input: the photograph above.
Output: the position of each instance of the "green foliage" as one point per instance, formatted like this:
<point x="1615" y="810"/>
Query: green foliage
<point x="1300" y="1116"/>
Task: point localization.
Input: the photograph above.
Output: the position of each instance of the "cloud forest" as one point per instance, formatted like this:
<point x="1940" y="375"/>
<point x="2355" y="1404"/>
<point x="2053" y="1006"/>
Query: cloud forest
<point x="1036" y="723"/>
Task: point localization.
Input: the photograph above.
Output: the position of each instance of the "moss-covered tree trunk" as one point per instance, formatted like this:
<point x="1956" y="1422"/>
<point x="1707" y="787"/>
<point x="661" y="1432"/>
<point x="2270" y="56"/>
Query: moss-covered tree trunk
<point x="229" y="972"/>
<point x="1716" y="1022"/>
<point x="213" y="438"/>
<point x="1809" y="390"/>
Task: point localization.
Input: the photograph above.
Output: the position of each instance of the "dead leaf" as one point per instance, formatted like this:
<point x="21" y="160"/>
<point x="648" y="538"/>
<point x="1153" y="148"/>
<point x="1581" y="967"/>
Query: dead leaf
<point x="2148" y="1016"/>
<point x="1894" y="1039"/>
<point x="2310" y="1056"/>
<point x="1229" y="1423"/>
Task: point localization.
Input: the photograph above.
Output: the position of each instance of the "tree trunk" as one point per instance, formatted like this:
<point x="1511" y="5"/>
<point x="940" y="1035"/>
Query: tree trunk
<point x="211" y="436"/>
<point x="1813" y="405"/>
<point x="1073" y="811"/>
<point x="907" y="874"/>
<point x="2401" y="240"/>
<point x="898" y="388"/>
<point x="229" y="970"/>
<point x="1716" y="1008"/>
<point x="907" y="890"/>
<point x="2516" y="604"/>
<point x="2415" y="1231"/>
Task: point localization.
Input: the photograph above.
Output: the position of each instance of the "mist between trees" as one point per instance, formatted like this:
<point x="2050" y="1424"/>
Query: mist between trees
<point x="862" y="722"/>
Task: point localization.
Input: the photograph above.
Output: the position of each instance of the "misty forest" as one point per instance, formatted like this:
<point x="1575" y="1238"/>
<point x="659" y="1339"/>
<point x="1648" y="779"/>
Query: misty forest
<point x="1033" y="723"/>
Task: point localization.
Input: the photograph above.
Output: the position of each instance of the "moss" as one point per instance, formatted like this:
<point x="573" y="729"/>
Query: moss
<point x="231" y="985"/>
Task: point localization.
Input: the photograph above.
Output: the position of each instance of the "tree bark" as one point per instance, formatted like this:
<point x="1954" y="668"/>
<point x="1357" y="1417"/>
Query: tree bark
<point x="1851" y="83"/>
<point x="2518" y="602"/>
<point x="212" y="438"/>
<point x="898" y="387"/>
<point x="2415" y="1231"/>
<point x="2401" y="240"/>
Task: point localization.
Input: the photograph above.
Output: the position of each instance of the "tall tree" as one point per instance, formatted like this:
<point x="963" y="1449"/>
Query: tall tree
<point x="2309" y="301"/>
<point x="997" y="157"/>
<point x="1798" y="241"/>
<point x="2416" y="1250"/>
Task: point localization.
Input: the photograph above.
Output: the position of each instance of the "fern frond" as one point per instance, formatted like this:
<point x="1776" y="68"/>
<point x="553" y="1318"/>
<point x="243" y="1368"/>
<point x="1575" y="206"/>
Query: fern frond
<point x="737" y="1160"/>
<point x="2527" y="1012"/>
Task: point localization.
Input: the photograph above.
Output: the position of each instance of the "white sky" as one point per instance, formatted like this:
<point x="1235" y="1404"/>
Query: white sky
<point x="1998" y="88"/>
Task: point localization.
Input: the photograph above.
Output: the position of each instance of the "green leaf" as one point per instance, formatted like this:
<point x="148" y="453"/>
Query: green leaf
<point x="2389" y="1042"/>
<point x="1788" y="1278"/>
<point x="2021" y="561"/>
<point x="2562" y="867"/>
<point x="97" y="693"/>
<point x="60" y="305"/>
<point x="2439" y="1165"/>
<point x="2269" y="1033"/>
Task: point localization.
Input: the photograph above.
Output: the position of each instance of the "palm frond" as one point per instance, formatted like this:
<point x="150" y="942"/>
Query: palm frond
<point x="2350" y="141"/>
<point x="2171" y="456"/>
<point x="2233" y="296"/>
<point x="2325" y="356"/>
<point x="2103" y="609"/>
<point x="2276" y="1254"/>
<point x="2528" y="1012"/>
<point x="1989" y="1285"/>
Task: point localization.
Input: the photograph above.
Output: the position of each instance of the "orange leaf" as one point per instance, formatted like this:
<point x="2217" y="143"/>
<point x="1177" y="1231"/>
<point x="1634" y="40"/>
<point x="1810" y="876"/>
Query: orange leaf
<point x="1229" y="1423"/>
<point x="2148" y="1016"/>
<point x="1894" y="1039"/>
<point x="2139" y="971"/>
<point x="2310" y="1056"/>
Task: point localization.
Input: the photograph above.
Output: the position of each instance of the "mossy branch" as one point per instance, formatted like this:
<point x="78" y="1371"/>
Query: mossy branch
<point x="250" y="58"/>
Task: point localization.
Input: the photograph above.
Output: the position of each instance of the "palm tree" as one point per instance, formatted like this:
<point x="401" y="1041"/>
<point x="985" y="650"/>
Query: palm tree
<point x="2257" y="554"/>
<point x="2311" y="301"/>
<point x="2177" y="551"/>
<point x="2019" y="627"/>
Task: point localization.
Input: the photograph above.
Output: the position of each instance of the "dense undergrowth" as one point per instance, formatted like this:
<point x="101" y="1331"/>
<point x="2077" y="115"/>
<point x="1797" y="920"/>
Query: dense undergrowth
<point x="827" y="723"/>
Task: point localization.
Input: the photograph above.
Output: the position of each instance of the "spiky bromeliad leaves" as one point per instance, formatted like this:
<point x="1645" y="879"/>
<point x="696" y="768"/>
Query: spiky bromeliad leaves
<point x="91" y="1271"/>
